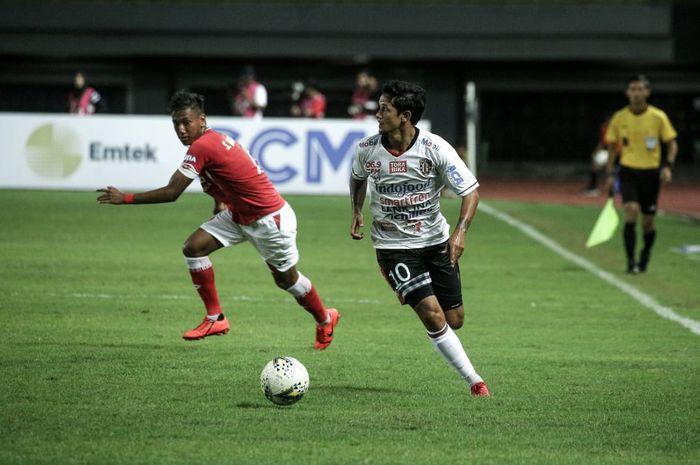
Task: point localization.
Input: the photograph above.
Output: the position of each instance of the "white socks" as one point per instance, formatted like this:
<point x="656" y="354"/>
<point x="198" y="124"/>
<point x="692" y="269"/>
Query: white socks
<point x="198" y="263"/>
<point x="301" y="287"/>
<point x="448" y="344"/>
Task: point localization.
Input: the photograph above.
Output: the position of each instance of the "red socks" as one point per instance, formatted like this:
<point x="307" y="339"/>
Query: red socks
<point x="202" y="274"/>
<point x="306" y="295"/>
<point x="312" y="304"/>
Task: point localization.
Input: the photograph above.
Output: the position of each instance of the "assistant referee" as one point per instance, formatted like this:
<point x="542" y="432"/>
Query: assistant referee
<point x="636" y="134"/>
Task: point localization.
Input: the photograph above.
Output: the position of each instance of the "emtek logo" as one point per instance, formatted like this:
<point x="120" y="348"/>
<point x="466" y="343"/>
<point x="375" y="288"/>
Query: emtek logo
<point x="126" y="152"/>
<point x="53" y="151"/>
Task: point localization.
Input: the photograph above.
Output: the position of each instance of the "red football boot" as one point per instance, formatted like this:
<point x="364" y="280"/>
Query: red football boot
<point x="480" y="389"/>
<point x="208" y="328"/>
<point x="324" y="333"/>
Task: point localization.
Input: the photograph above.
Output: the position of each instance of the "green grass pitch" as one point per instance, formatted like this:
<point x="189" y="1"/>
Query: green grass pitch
<point x="94" y="299"/>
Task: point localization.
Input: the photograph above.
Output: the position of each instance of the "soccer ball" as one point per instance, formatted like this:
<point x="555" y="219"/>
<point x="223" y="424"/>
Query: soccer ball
<point x="600" y="159"/>
<point x="284" y="380"/>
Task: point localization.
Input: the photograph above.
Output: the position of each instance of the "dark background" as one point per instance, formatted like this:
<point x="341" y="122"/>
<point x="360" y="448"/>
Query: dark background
<point x="547" y="73"/>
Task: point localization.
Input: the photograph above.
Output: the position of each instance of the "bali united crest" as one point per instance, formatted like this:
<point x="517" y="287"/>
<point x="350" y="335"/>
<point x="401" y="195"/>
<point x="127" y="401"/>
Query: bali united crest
<point x="426" y="166"/>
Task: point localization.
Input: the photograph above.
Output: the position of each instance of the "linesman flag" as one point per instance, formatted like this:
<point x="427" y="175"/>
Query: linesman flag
<point x="605" y="226"/>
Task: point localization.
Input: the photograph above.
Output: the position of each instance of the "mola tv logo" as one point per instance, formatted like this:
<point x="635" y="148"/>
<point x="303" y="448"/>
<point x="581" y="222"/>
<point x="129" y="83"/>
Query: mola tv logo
<point x="53" y="151"/>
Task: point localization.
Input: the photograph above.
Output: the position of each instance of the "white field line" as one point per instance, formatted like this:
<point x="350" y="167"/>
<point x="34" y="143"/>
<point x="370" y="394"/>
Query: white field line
<point x="641" y="297"/>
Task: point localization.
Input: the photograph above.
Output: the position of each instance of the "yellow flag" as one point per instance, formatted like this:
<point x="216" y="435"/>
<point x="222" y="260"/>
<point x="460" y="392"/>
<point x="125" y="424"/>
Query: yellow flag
<point x="605" y="225"/>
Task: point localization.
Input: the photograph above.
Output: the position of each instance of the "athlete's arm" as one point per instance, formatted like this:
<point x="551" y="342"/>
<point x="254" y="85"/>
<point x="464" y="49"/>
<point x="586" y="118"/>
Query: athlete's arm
<point x="358" y="192"/>
<point x="671" y="153"/>
<point x="176" y="186"/>
<point x="466" y="214"/>
<point x="610" y="168"/>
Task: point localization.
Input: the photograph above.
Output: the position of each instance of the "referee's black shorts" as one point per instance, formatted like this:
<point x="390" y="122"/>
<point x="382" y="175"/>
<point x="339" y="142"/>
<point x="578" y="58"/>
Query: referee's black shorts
<point x="415" y="274"/>
<point x="640" y="186"/>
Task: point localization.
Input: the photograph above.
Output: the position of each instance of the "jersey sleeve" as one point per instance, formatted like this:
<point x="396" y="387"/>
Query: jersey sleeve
<point x="668" y="132"/>
<point x="611" y="131"/>
<point x="191" y="166"/>
<point x="455" y="173"/>
<point x="358" y="165"/>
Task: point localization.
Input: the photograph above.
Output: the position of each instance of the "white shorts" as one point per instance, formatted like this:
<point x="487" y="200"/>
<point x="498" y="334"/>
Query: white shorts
<point x="273" y="236"/>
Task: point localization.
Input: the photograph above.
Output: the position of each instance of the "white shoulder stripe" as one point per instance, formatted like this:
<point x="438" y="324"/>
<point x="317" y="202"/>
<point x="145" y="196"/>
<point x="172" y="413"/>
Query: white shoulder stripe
<point x="473" y="186"/>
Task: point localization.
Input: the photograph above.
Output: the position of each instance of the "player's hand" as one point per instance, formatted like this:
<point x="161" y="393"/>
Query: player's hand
<point x="357" y="223"/>
<point x="111" y="195"/>
<point x="455" y="246"/>
<point x="666" y="175"/>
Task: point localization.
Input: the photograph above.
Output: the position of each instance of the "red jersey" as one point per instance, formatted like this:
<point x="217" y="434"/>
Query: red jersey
<point x="314" y="107"/>
<point x="232" y="176"/>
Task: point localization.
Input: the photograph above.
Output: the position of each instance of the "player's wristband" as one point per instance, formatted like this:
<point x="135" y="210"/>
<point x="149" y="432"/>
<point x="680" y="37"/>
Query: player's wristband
<point x="669" y="164"/>
<point x="128" y="198"/>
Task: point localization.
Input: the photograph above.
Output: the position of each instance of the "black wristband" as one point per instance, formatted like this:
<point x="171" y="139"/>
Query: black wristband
<point x="669" y="164"/>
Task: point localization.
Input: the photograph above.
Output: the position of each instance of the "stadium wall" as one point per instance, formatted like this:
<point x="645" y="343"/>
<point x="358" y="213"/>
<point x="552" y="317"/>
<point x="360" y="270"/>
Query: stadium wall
<point x="138" y="52"/>
<point x="49" y="151"/>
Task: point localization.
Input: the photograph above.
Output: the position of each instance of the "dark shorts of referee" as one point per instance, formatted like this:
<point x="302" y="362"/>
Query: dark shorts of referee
<point x="640" y="186"/>
<point x="415" y="274"/>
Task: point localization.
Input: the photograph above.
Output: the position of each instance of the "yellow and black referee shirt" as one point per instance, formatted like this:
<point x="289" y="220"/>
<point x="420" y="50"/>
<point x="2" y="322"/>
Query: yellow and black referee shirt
<point x="640" y="136"/>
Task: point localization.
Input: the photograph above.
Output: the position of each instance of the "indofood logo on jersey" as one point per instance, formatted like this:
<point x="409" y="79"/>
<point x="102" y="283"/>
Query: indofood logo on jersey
<point x="399" y="190"/>
<point x="53" y="151"/>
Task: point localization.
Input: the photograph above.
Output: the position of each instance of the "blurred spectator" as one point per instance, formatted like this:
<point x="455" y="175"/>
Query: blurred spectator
<point x="297" y="93"/>
<point x="83" y="99"/>
<point x="250" y="96"/>
<point x="599" y="160"/>
<point x="311" y="102"/>
<point x="363" y="102"/>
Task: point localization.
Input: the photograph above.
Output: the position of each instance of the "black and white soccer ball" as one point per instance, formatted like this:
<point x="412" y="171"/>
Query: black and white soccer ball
<point x="284" y="380"/>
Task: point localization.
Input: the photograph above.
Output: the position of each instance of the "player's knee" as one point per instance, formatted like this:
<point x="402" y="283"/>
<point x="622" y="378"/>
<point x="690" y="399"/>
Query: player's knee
<point x="200" y="244"/>
<point x="291" y="281"/>
<point x="188" y="250"/>
<point x="430" y="313"/>
<point x="455" y="317"/>
<point x="282" y="283"/>
<point x="191" y="249"/>
<point x="455" y="322"/>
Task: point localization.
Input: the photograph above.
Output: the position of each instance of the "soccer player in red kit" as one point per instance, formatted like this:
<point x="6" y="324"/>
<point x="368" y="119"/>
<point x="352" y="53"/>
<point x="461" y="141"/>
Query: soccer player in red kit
<point x="248" y="207"/>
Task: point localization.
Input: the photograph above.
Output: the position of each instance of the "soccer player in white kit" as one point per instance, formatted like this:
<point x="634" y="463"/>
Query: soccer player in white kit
<point x="406" y="168"/>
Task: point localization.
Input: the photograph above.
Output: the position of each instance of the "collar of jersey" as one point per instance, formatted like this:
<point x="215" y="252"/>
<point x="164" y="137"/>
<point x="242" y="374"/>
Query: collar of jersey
<point x="395" y="153"/>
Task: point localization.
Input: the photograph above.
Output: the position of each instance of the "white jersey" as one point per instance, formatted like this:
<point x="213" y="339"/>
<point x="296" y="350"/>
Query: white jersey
<point x="404" y="190"/>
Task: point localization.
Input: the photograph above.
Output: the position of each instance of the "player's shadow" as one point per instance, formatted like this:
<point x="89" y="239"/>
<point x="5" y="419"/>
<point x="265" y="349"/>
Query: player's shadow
<point x="348" y="389"/>
<point x="345" y="391"/>
<point x="253" y="405"/>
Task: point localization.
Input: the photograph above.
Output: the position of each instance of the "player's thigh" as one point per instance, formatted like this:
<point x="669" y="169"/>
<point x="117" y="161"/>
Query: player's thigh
<point x="650" y="185"/>
<point x="629" y="185"/>
<point x="220" y="231"/>
<point x="274" y="237"/>
<point x="406" y="274"/>
<point x="446" y="283"/>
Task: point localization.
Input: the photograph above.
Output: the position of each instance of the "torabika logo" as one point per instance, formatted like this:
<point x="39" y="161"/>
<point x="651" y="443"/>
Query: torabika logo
<point x="53" y="151"/>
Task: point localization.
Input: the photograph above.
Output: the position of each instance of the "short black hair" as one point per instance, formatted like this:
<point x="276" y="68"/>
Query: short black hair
<point x="406" y="96"/>
<point x="641" y="78"/>
<point x="183" y="99"/>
